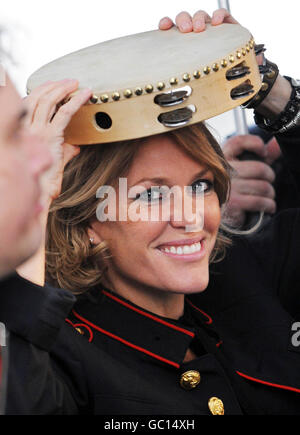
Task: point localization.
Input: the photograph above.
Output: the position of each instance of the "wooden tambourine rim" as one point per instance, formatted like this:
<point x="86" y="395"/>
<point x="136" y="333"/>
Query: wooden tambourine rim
<point x="134" y="114"/>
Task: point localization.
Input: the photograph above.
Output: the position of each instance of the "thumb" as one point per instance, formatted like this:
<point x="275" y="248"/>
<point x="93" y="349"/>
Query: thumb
<point x="273" y="151"/>
<point x="70" y="151"/>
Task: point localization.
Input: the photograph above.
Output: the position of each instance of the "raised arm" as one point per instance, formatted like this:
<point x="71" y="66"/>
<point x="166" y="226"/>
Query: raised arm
<point x="48" y="117"/>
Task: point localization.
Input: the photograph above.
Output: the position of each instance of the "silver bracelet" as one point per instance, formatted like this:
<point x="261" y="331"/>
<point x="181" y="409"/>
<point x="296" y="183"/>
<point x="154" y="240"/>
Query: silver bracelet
<point x="292" y="124"/>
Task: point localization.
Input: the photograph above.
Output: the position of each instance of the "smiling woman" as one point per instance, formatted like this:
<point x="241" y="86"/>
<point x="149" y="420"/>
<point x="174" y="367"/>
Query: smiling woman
<point x="143" y="336"/>
<point x="177" y="158"/>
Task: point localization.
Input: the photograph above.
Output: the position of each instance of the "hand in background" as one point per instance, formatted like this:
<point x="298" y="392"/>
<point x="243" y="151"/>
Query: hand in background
<point x="252" y="189"/>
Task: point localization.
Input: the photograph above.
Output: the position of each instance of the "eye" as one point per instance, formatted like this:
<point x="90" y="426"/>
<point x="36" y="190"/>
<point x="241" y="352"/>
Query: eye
<point x="201" y="186"/>
<point x="153" y="194"/>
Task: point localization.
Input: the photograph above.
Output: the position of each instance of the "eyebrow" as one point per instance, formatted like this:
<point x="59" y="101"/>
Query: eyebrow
<point x="166" y="181"/>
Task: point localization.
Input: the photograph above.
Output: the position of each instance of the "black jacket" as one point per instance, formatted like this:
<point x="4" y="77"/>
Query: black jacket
<point x="112" y="357"/>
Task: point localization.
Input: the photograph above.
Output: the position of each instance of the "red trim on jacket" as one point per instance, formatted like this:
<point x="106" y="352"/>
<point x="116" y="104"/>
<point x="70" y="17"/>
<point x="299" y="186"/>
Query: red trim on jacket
<point x="209" y="321"/>
<point x="151" y="316"/>
<point x="283" y="387"/>
<point x="127" y="343"/>
<point x="80" y="325"/>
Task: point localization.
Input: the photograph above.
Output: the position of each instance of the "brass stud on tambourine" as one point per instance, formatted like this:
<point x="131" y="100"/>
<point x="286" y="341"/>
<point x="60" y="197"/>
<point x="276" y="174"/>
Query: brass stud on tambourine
<point x="161" y="86"/>
<point x="128" y="93"/>
<point x="138" y="91"/>
<point x="149" y="89"/>
<point x="186" y="77"/>
<point x="104" y="98"/>
<point x="116" y="96"/>
<point x="94" y="99"/>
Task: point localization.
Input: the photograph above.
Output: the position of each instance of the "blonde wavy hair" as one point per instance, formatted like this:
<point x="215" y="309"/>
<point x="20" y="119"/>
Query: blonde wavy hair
<point x="71" y="261"/>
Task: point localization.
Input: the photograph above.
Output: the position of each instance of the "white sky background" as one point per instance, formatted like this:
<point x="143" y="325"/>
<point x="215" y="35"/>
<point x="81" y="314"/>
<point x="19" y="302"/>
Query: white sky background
<point x="43" y="31"/>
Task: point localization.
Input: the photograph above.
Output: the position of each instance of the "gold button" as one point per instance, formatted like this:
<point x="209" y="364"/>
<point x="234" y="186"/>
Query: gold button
<point x="190" y="380"/>
<point x="80" y="331"/>
<point x="216" y="406"/>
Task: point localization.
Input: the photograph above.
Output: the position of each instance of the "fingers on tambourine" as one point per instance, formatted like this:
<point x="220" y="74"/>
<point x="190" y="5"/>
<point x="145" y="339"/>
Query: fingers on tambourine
<point x="47" y="104"/>
<point x="31" y="101"/>
<point x="165" y="23"/>
<point x="184" y="22"/>
<point x="222" y="16"/>
<point x="42" y="102"/>
<point x="66" y="111"/>
<point x="200" y="19"/>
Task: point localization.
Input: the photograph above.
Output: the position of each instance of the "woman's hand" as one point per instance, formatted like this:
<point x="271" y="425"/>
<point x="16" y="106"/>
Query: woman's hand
<point x="49" y="121"/>
<point x="186" y="23"/>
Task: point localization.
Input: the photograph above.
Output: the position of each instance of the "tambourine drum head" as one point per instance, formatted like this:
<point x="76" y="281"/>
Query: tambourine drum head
<point x="141" y="81"/>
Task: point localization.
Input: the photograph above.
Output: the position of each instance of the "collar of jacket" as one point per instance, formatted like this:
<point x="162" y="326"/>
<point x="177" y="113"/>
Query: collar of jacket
<point x="166" y="340"/>
<point x="33" y="312"/>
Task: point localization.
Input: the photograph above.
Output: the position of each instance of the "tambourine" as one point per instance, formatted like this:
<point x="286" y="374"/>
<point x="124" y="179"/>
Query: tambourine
<point x="149" y="83"/>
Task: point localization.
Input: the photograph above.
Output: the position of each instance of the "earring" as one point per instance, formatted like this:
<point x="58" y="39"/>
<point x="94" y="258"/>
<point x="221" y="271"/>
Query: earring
<point x="91" y="240"/>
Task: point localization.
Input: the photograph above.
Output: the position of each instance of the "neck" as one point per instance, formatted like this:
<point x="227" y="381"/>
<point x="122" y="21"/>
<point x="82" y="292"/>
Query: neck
<point x="157" y="301"/>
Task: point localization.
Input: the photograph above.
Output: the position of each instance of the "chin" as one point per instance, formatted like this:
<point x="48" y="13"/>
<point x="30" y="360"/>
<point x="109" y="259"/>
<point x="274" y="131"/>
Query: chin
<point x="189" y="283"/>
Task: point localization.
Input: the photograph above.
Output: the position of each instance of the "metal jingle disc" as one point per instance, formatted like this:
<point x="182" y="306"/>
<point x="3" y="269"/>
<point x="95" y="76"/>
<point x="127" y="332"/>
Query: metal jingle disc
<point x="170" y="98"/>
<point x="259" y="48"/>
<point x="264" y="69"/>
<point x="242" y="91"/>
<point x="237" y="72"/>
<point x="176" y="117"/>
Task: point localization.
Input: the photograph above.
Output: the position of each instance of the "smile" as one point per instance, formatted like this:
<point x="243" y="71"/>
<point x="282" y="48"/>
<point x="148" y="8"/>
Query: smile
<point x="183" y="250"/>
<point x="188" y="250"/>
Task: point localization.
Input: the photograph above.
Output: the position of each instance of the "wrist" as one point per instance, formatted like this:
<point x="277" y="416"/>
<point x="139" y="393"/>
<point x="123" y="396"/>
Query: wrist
<point x="275" y="103"/>
<point x="289" y="117"/>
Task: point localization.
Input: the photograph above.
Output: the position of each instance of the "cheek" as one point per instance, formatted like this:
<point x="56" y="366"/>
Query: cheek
<point x="124" y="238"/>
<point x="212" y="214"/>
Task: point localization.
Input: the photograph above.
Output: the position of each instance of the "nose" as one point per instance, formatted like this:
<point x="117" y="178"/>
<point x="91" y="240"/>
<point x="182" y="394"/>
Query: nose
<point x="187" y="211"/>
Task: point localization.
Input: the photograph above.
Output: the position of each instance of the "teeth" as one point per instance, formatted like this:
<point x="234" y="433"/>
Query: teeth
<point x="183" y="250"/>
